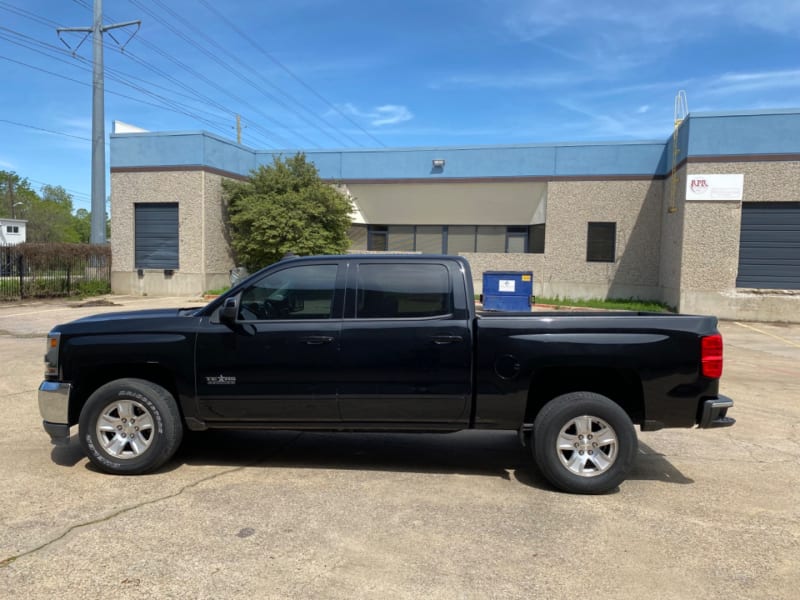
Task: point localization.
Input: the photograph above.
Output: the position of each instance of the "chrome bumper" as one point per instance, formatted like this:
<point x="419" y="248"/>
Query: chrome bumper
<point x="54" y="408"/>
<point x="715" y="413"/>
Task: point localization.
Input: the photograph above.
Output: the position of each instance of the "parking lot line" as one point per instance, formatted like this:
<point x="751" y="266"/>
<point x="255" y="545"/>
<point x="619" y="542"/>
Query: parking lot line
<point x="772" y="335"/>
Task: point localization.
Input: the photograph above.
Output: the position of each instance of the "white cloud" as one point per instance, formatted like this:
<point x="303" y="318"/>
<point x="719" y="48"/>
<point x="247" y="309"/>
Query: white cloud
<point x="80" y="126"/>
<point x="738" y="83"/>
<point x="613" y="36"/>
<point x="643" y="109"/>
<point x="510" y="80"/>
<point x="614" y="124"/>
<point x="4" y="164"/>
<point x="660" y="21"/>
<point x="388" y="114"/>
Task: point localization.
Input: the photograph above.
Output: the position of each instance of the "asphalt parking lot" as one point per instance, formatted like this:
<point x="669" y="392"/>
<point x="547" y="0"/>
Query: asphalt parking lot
<point x="711" y="514"/>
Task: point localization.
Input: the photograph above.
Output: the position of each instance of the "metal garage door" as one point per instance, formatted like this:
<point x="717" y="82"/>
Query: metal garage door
<point x="156" y="236"/>
<point x="769" y="246"/>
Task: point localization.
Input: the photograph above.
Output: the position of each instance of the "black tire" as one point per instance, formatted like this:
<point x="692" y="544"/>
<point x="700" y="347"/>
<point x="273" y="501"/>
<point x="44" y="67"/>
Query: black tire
<point x="584" y="443"/>
<point x="130" y="426"/>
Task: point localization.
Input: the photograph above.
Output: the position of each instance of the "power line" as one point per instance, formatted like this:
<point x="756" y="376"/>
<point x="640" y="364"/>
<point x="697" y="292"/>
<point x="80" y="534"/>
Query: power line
<point x="269" y="134"/>
<point x="248" y="68"/>
<point x="84" y="83"/>
<point x="166" y="102"/>
<point x="252" y="42"/>
<point x="28" y="14"/>
<point x="50" y="50"/>
<point x="84" y="197"/>
<point x="77" y="137"/>
<point x="222" y="63"/>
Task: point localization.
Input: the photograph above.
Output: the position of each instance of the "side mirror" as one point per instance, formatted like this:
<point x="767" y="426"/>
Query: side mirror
<point x="229" y="311"/>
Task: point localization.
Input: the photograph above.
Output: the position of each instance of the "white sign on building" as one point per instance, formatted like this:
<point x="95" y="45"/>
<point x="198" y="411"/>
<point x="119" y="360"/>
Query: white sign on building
<point x="714" y="187"/>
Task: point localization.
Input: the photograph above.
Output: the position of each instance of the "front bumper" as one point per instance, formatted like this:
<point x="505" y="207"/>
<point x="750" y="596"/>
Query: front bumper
<point x="715" y="413"/>
<point x="54" y="408"/>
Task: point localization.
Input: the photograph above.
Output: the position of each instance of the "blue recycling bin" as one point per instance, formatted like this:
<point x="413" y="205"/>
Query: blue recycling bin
<point x="509" y="291"/>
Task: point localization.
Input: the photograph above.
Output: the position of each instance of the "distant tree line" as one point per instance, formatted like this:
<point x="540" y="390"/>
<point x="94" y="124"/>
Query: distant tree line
<point x="49" y="212"/>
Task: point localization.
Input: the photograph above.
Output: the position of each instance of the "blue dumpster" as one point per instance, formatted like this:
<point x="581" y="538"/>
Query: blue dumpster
<point x="509" y="291"/>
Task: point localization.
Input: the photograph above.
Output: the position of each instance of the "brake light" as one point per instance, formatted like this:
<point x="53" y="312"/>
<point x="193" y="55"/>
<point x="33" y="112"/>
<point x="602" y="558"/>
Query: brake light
<point x="711" y="356"/>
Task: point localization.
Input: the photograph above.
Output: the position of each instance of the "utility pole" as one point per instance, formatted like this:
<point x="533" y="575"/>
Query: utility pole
<point x="239" y="130"/>
<point x="98" y="225"/>
<point x="10" y="181"/>
<point x="10" y="194"/>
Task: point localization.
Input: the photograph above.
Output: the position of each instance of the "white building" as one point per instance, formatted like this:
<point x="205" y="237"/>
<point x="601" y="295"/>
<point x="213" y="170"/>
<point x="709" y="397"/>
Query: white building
<point x="12" y="231"/>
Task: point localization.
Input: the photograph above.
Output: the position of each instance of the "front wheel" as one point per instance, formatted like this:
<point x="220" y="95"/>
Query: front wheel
<point x="130" y="426"/>
<point x="584" y="443"/>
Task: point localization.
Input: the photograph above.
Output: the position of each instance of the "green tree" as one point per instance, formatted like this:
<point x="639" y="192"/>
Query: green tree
<point x="50" y="217"/>
<point x="83" y="225"/>
<point x="285" y="207"/>
<point x="16" y="195"/>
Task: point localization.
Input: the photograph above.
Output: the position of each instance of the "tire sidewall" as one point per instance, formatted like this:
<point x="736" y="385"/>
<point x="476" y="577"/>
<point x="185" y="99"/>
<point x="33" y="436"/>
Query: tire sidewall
<point x="157" y="401"/>
<point x="556" y="414"/>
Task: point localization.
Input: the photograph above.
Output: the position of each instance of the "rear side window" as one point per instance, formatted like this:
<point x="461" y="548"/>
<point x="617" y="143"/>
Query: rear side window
<point x="387" y="291"/>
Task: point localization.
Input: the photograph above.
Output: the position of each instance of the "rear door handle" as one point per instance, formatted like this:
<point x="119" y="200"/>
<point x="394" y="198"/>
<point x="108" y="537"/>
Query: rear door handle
<point x="317" y="340"/>
<point x="440" y="340"/>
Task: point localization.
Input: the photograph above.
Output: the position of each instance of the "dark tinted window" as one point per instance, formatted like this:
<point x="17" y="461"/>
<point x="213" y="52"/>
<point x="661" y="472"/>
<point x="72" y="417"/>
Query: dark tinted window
<point x="378" y="238"/>
<point x="302" y="292"/>
<point x="386" y="291"/>
<point x="601" y="242"/>
<point x="536" y="239"/>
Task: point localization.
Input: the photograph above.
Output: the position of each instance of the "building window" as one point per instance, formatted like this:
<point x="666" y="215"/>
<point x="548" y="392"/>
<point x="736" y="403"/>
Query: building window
<point x="491" y="238"/>
<point x="378" y="238"/>
<point x="455" y="239"/>
<point x="401" y="238"/>
<point x="12" y="228"/>
<point x="156" y="235"/>
<point x="601" y="242"/>
<point x="516" y="240"/>
<point x="536" y="238"/>
<point x="429" y="239"/>
<point x="460" y="238"/>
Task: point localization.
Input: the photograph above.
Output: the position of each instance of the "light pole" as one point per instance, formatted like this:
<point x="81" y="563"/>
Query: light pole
<point x="13" y="206"/>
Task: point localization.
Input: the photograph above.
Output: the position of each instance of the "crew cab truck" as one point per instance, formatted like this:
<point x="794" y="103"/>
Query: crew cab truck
<point x="381" y="343"/>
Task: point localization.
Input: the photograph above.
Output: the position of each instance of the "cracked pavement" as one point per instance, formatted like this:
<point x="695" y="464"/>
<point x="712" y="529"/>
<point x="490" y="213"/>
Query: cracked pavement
<point x="281" y="514"/>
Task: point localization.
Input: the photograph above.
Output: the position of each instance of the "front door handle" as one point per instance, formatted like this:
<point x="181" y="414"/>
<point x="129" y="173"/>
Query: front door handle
<point x="317" y="340"/>
<point x="440" y="340"/>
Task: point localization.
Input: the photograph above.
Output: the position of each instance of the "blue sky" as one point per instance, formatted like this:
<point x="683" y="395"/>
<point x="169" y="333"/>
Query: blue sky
<point x="332" y="74"/>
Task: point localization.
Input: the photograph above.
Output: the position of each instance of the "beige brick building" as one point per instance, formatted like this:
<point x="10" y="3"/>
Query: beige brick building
<point x="717" y="232"/>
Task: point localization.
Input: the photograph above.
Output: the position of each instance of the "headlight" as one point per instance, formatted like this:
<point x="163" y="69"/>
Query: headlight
<point x="51" y="356"/>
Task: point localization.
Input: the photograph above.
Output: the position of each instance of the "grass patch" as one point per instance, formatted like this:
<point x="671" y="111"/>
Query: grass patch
<point x="217" y="292"/>
<point x="611" y="303"/>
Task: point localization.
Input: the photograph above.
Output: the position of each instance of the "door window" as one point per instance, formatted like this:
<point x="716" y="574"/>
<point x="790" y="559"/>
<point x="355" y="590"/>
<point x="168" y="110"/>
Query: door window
<point x="387" y="291"/>
<point x="302" y="292"/>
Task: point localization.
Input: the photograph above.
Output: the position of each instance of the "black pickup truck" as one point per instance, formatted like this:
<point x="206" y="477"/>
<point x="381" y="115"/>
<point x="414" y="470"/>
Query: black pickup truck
<point x="381" y="343"/>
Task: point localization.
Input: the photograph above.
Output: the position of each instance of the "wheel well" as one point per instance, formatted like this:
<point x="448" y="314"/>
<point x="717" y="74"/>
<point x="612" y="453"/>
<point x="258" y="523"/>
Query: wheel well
<point x="88" y="384"/>
<point x="620" y="385"/>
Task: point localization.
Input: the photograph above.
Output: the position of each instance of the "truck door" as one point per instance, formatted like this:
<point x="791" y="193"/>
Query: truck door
<point x="280" y="362"/>
<point x="406" y="350"/>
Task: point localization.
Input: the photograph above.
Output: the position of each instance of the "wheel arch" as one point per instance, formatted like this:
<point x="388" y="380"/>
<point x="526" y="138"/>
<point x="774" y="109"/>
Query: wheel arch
<point x="153" y="373"/>
<point x="622" y="386"/>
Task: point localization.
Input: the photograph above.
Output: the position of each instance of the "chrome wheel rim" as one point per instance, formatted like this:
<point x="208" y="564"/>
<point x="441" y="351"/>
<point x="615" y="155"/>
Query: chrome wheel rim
<point x="587" y="446"/>
<point x="125" y="429"/>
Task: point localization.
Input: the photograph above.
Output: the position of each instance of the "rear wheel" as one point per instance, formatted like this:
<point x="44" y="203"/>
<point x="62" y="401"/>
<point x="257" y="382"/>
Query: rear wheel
<point x="584" y="443"/>
<point x="130" y="426"/>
